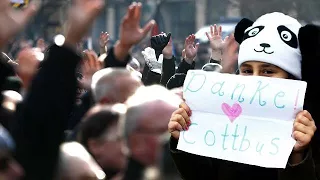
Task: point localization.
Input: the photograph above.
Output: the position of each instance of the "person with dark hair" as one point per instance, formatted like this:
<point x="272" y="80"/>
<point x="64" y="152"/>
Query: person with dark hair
<point x="275" y="46"/>
<point x="98" y="133"/>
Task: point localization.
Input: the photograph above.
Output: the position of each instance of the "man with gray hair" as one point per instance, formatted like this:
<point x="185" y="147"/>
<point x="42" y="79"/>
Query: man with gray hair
<point x="114" y="85"/>
<point x="109" y="86"/>
<point x="145" y="127"/>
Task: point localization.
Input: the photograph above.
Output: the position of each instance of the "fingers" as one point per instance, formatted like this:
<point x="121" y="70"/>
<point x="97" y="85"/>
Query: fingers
<point x="148" y="27"/>
<point x="190" y="41"/>
<point x="303" y="129"/>
<point x="137" y="11"/>
<point x="304" y="123"/>
<point x="131" y="10"/>
<point x="173" y="126"/>
<point x="184" y="106"/>
<point x="208" y="36"/>
<point x="220" y="31"/>
<point x="179" y="116"/>
<point x="307" y="115"/>
<point x="216" y="32"/>
<point x="211" y="30"/>
<point x="301" y="138"/>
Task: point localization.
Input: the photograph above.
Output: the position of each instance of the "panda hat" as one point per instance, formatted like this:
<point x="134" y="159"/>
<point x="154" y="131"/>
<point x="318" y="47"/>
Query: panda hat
<point x="281" y="40"/>
<point x="273" y="39"/>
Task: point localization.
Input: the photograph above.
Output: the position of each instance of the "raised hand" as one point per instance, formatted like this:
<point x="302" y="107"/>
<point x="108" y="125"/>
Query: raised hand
<point x="216" y="42"/>
<point x="191" y="48"/>
<point x="159" y="42"/>
<point x="130" y="31"/>
<point x="103" y="41"/>
<point x="90" y="65"/>
<point x="167" y="51"/>
<point x="12" y="20"/>
<point x="82" y="15"/>
<point x="215" y="37"/>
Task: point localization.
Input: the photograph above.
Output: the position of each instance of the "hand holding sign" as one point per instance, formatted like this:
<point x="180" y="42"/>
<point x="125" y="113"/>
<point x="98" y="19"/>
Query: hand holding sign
<point x="303" y="130"/>
<point x="180" y="120"/>
<point x="242" y="119"/>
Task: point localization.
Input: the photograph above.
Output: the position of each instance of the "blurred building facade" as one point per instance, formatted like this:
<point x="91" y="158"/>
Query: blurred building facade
<point x="180" y="17"/>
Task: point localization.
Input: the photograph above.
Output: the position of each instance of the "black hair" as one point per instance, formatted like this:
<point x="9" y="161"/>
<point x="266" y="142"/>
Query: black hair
<point x="95" y="125"/>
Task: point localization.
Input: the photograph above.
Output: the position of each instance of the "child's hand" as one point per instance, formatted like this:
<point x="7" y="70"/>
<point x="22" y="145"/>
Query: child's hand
<point x="303" y="130"/>
<point x="180" y="120"/>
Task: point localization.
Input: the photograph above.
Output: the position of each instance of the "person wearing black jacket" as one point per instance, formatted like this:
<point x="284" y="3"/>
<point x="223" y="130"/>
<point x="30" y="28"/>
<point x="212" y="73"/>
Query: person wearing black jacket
<point x="43" y="114"/>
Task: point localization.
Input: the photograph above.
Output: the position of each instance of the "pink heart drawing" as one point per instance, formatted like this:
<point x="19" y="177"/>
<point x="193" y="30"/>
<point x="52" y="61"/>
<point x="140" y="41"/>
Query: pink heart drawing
<point x="232" y="112"/>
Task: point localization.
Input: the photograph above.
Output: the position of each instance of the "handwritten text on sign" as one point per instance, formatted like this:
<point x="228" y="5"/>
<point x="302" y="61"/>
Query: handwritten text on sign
<point x="242" y="119"/>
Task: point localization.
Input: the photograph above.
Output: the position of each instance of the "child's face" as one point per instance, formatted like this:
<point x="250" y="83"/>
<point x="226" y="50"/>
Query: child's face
<point x="255" y="68"/>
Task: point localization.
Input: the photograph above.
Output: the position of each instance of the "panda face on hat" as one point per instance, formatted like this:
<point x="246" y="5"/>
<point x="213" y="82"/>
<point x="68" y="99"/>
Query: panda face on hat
<point x="273" y="39"/>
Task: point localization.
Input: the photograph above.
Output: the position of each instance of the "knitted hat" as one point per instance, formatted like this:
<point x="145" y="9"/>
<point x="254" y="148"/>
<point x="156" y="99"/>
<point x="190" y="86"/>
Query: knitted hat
<point x="273" y="39"/>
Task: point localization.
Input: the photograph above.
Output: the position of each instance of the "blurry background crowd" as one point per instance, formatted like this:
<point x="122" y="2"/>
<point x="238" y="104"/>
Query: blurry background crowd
<point x="180" y="17"/>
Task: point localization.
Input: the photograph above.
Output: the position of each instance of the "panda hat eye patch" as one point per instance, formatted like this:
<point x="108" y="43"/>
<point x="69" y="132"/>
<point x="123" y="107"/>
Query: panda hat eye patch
<point x="287" y="36"/>
<point x="253" y="32"/>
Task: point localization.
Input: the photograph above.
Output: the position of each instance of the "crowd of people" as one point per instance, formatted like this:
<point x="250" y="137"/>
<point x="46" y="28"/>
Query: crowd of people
<point x="69" y="113"/>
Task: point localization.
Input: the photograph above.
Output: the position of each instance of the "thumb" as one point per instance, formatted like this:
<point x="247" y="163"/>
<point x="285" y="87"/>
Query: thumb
<point x="148" y="27"/>
<point x="175" y="134"/>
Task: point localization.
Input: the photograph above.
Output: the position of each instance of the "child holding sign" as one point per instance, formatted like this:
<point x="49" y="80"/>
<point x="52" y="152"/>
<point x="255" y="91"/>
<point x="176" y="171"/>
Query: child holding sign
<point x="275" y="46"/>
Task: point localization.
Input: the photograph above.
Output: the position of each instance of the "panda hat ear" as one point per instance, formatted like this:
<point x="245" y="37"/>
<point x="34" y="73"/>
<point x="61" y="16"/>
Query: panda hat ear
<point x="240" y="28"/>
<point x="309" y="41"/>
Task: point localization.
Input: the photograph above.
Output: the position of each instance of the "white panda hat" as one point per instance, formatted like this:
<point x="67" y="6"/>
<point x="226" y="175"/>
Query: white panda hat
<point x="283" y="34"/>
<point x="273" y="39"/>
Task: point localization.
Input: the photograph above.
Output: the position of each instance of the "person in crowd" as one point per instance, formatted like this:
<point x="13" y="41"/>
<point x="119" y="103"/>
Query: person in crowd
<point x="76" y="163"/>
<point x="284" y="64"/>
<point x="99" y="132"/>
<point x="145" y="127"/>
<point x="118" y="56"/>
<point x="114" y="85"/>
